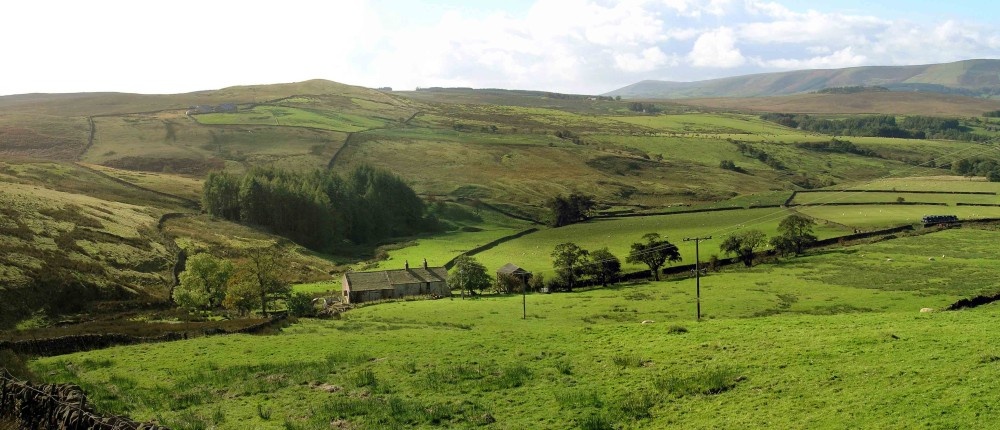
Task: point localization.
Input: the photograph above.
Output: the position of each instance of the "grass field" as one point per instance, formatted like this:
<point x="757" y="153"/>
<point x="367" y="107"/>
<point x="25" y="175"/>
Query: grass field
<point x="841" y="197"/>
<point x="869" y="216"/>
<point x="844" y="341"/>
<point x="533" y="251"/>
<point x="292" y="117"/>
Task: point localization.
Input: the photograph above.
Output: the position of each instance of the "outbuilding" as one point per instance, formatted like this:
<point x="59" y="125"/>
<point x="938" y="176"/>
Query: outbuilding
<point x="393" y="284"/>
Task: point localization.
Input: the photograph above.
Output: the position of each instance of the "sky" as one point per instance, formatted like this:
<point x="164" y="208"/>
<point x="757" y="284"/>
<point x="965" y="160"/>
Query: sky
<point x="569" y="46"/>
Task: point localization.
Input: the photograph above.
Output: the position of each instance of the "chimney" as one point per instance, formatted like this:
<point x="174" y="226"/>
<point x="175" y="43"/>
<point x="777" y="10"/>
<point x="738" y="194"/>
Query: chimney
<point x="406" y="265"/>
<point x="425" y="263"/>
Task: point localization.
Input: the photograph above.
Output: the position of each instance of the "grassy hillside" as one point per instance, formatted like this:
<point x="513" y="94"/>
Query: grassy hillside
<point x="790" y="345"/>
<point x="899" y="103"/>
<point x="72" y="235"/>
<point x="972" y="77"/>
<point x="511" y="150"/>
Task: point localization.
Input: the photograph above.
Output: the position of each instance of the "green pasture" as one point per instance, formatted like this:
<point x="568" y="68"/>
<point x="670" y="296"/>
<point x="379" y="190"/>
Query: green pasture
<point x="841" y="197"/>
<point x="474" y="135"/>
<point x="827" y="340"/>
<point x="319" y="287"/>
<point x="293" y="117"/>
<point x="930" y="183"/>
<point x="533" y="252"/>
<point x="533" y="119"/>
<point x="871" y="216"/>
<point x="735" y="124"/>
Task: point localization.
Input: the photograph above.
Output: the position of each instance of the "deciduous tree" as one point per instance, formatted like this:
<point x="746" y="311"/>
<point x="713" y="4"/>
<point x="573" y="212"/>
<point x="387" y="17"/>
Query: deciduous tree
<point x="262" y="275"/>
<point x="654" y="252"/>
<point x="468" y="274"/>
<point x="795" y="234"/>
<point x="743" y="244"/>
<point x="568" y="259"/>
<point x="603" y="266"/>
<point x="203" y="282"/>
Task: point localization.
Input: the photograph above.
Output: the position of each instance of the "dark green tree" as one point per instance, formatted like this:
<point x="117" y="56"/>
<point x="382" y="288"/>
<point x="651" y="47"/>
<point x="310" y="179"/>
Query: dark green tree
<point x="468" y="274"/>
<point x="795" y="233"/>
<point x="603" y="266"/>
<point x="654" y="252"/>
<point x="568" y="259"/>
<point x="565" y="210"/>
<point x="743" y="244"/>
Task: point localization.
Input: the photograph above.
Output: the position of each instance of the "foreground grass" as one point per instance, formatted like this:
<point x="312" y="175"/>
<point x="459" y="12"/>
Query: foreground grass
<point x="812" y="342"/>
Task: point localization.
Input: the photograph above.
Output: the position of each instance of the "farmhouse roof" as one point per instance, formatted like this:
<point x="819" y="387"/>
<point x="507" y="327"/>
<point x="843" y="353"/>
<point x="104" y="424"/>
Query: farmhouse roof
<point x="387" y="279"/>
<point x="512" y="269"/>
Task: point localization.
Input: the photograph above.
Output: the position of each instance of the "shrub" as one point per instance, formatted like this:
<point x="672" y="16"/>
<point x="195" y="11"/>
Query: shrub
<point x="636" y="404"/>
<point x="595" y="421"/>
<point x="263" y="412"/>
<point x="677" y="329"/>
<point x="705" y="382"/>
<point x="365" y="378"/>
<point x="301" y="305"/>
<point x="564" y="367"/>
<point x="624" y="360"/>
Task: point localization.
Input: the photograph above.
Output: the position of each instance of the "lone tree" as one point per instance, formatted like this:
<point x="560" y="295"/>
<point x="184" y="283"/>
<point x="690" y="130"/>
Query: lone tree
<point x="259" y="279"/>
<point x="603" y="266"/>
<point x="469" y="275"/>
<point x="569" y="260"/>
<point x="203" y="282"/>
<point x="655" y="251"/>
<point x="743" y="244"/>
<point x="568" y="210"/>
<point x="795" y="234"/>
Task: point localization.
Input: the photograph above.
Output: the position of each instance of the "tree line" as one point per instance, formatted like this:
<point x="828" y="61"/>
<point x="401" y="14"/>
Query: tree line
<point x="255" y="282"/>
<point x="911" y="127"/>
<point x="576" y="266"/>
<point x="320" y="209"/>
<point x="977" y="167"/>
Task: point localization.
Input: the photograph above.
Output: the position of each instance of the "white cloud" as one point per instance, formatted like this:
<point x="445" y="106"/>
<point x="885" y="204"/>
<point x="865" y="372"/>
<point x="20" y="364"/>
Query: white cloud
<point x="647" y="60"/>
<point x="842" y="58"/>
<point x="697" y="8"/>
<point x="583" y="46"/>
<point x="716" y="48"/>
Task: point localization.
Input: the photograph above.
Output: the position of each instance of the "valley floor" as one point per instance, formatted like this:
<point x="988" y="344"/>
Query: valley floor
<point x="834" y="339"/>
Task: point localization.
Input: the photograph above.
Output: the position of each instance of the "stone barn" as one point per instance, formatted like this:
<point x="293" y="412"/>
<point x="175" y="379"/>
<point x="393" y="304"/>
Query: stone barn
<point x="514" y="270"/>
<point x="393" y="284"/>
<point x="511" y="269"/>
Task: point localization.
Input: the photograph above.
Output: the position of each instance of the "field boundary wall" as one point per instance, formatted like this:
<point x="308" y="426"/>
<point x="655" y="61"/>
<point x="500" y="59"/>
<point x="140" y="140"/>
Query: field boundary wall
<point x="51" y="406"/>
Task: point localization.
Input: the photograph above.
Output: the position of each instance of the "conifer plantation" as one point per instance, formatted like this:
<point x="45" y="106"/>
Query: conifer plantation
<point x="319" y="209"/>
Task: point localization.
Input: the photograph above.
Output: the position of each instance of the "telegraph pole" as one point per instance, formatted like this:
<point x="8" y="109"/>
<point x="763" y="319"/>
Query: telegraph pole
<point x="697" y="270"/>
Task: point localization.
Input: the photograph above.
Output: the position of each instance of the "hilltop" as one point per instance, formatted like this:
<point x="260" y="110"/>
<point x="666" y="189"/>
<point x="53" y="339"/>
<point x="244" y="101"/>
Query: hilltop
<point x="976" y="78"/>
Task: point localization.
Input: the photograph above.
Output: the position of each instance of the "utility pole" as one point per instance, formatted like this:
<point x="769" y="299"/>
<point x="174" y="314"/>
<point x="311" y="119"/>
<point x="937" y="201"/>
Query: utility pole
<point x="524" y="300"/>
<point x="697" y="270"/>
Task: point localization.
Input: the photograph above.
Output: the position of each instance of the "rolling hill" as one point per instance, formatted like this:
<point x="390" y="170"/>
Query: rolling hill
<point x="969" y="78"/>
<point x="75" y="164"/>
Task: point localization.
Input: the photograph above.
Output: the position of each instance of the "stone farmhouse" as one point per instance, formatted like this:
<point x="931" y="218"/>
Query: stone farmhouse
<point x="393" y="284"/>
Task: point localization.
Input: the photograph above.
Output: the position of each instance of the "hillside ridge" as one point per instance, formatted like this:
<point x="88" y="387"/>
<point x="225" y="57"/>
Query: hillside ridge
<point x="976" y="77"/>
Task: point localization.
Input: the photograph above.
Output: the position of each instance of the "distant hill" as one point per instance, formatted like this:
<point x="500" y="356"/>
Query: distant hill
<point x="976" y="78"/>
<point x="885" y="102"/>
